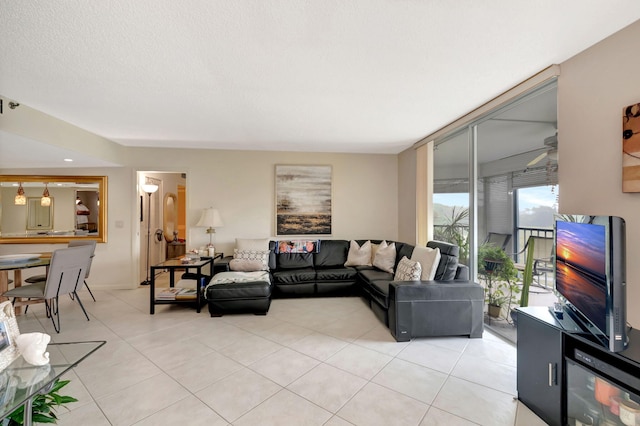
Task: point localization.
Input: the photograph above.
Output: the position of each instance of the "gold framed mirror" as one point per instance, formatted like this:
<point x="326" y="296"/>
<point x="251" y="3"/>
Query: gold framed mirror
<point x="79" y="210"/>
<point x="170" y="216"/>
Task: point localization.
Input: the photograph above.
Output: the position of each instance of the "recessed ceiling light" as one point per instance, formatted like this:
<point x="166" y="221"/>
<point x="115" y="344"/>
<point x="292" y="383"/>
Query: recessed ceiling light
<point x="68" y="160"/>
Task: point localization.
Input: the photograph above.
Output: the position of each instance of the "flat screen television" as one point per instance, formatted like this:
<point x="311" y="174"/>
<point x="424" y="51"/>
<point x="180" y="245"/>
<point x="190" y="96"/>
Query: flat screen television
<point x="590" y="274"/>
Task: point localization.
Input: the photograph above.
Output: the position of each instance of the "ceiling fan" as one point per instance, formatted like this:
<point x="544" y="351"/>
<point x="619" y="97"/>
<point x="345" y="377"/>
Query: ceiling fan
<point x="551" y="143"/>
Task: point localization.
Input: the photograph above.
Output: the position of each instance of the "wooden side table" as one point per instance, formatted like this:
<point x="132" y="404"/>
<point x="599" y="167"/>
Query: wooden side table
<point x="176" y="249"/>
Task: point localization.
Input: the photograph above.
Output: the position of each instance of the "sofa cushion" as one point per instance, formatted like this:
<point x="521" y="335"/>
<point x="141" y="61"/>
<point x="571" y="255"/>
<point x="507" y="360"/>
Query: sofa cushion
<point x="370" y="275"/>
<point x="294" y="260"/>
<point x="336" y="274"/>
<point x="359" y="255"/>
<point x="380" y="292"/>
<point x="402" y="250"/>
<point x="333" y="253"/>
<point x="385" y="257"/>
<point x="429" y="260"/>
<point x="448" y="265"/>
<point x="294" y="276"/>
<point x="408" y="270"/>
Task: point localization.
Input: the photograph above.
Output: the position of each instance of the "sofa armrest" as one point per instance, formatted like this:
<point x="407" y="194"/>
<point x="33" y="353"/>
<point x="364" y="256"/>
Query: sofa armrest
<point x="435" y="308"/>
<point x="462" y="273"/>
<point x="222" y="265"/>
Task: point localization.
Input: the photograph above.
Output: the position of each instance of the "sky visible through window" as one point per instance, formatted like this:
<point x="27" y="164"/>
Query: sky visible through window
<point x="528" y="198"/>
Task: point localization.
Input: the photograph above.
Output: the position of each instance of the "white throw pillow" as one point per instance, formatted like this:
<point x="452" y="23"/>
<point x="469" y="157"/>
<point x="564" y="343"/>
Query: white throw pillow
<point x="252" y="243"/>
<point x="429" y="260"/>
<point x="385" y="257"/>
<point x="374" y="250"/>
<point x="408" y="270"/>
<point x="246" y="259"/>
<point x="359" y="256"/>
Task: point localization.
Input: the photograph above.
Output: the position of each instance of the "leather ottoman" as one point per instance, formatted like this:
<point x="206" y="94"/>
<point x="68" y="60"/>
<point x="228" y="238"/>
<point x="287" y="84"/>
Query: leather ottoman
<point x="239" y="292"/>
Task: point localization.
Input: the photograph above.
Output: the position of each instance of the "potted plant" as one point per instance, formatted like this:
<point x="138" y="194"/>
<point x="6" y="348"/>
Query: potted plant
<point x="456" y="231"/>
<point x="500" y="274"/>
<point x="43" y="406"/>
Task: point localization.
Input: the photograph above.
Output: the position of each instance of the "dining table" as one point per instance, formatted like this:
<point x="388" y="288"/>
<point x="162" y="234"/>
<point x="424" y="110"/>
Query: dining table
<point x="17" y="263"/>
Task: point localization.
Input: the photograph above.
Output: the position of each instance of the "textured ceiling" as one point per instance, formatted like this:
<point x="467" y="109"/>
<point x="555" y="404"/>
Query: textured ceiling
<point x="369" y="76"/>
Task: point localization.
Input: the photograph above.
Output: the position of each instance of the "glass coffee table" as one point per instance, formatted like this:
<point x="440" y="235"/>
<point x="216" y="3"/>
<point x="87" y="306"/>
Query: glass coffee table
<point x="21" y="382"/>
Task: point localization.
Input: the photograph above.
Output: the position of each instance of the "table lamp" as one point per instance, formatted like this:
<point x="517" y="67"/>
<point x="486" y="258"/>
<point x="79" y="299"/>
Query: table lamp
<point x="210" y="219"/>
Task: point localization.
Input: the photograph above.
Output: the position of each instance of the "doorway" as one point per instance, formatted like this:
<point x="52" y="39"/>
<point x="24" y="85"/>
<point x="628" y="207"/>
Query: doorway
<point x="152" y="236"/>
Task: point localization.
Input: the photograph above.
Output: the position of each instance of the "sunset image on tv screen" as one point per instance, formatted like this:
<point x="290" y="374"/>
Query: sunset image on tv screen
<point x="581" y="268"/>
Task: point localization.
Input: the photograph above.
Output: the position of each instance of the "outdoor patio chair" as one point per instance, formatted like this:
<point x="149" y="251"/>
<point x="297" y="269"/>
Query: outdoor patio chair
<point x="498" y="239"/>
<point x="542" y="257"/>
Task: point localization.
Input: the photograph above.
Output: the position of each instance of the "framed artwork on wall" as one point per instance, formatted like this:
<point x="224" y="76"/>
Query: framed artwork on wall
<point x="631" y="148"/>
<point x="303" y="200"/>
<point x="8" y="334"/>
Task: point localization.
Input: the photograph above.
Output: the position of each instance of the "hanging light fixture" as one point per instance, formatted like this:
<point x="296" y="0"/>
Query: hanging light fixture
<point x="20" y="199"/>
<point x="45" y="201"/>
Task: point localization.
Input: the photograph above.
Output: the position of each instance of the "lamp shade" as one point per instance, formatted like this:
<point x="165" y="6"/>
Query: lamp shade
<point x="149" y="188"/>
<point x="20" y="199"/>
<point x="210" y="219"/>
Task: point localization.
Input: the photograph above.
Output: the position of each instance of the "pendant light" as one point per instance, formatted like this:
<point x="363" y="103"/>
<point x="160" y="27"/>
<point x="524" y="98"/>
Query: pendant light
<point x="20" y="199"/>
<point x="45" y="201"/>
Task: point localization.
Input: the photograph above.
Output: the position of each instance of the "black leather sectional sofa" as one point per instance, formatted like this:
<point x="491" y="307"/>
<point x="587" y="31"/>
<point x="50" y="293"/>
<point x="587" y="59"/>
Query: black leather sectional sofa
<point x="448" y="305"/>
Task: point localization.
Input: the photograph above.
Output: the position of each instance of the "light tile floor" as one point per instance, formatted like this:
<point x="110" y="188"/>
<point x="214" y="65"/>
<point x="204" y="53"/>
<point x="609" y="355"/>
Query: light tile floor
<point x="315" y="361"/>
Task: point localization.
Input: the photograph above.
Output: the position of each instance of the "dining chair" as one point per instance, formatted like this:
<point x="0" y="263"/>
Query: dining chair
<point x="73" y="243"/>
<point x="92" y="244"/>
<point x="66" y="271"/>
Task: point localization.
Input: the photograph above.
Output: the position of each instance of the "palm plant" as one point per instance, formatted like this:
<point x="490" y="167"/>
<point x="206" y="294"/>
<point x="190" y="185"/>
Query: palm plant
<point x="456" y="231"/>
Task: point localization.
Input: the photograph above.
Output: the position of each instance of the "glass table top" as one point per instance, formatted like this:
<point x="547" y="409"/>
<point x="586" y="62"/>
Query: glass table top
<point x="21" y="381"/>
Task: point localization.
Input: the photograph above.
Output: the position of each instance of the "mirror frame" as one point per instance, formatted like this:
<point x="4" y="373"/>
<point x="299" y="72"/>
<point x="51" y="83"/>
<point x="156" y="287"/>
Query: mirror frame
<point x="101" y="236"/>
<point x="169" y="216"/>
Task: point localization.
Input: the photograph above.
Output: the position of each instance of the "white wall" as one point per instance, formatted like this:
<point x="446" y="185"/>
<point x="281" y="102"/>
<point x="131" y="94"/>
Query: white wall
<point x="593" y="88"/>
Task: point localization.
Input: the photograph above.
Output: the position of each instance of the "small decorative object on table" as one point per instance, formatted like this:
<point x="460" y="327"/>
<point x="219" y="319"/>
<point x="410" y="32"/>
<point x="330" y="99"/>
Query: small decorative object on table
<point x="8" y="333"/>
<point x="33" y="347"/>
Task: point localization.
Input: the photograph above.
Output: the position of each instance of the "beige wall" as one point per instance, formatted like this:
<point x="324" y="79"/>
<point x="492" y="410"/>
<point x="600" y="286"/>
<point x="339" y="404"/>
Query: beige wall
<point x="593" y="88"/>
<point x="240" y="184"/>
<point x="407" y="223"/>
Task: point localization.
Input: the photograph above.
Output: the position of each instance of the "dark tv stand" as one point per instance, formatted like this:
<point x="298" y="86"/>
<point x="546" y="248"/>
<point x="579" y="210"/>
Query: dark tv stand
<point x="548" y="344"/>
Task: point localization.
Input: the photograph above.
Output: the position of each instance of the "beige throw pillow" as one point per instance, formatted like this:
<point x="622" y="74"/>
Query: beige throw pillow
<point x="408" y="270"/>
<point x="359" y="256"/>
<point x="429" y="259"/>
<point x="385" y="257"/>
<point x="249" y="260"/>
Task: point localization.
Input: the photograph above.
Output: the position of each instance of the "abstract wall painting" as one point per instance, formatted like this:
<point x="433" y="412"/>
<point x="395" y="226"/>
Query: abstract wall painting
<point x="303" y="200"/>
<point x="631" y="148"/>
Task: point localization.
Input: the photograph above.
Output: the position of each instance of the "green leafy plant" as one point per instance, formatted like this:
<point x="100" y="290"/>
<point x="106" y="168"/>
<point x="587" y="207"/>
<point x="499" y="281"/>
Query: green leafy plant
<point x="456" y="231"/>
<point x="43" y="406"/>
<point x="500" y="274"/>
